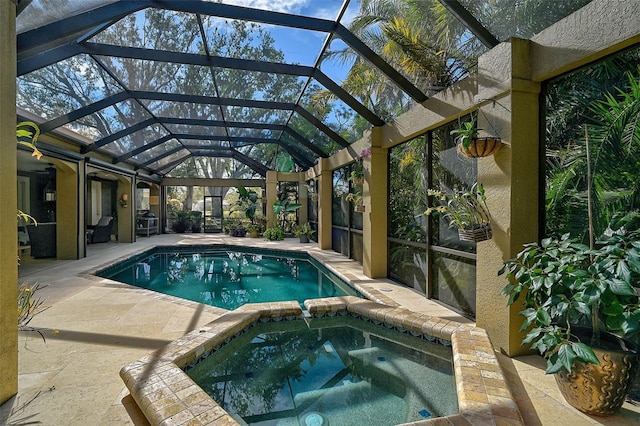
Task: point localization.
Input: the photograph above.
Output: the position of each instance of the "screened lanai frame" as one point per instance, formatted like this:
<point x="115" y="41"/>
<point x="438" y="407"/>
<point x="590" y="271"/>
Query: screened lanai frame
<point x="136" y="121"/>
<point x="82" y="37"/>
<point x="39" y="48"/>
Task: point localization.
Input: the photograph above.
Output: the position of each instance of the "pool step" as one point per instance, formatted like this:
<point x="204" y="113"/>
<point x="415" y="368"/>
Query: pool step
<point x="338" y="393"/>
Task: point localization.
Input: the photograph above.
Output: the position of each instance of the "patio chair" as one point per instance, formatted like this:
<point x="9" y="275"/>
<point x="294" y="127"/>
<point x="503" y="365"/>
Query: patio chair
<point x="43" y="239"/>
<point x="101" y="232"/>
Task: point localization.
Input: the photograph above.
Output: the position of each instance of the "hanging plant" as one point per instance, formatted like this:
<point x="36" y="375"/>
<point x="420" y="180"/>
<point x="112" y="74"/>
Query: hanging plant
<point x="357" y="200"/>
<point x="357" y="170"/>
<point x="466" y="210"/>
<point x="471" y="145"/>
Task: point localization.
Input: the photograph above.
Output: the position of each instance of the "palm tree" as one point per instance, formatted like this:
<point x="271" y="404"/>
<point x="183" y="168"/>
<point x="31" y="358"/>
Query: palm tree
<point x="419" y="38"/>
<point x="576" y="107"/>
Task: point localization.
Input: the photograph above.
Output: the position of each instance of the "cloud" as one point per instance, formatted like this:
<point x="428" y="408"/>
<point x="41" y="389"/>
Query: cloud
<point x="286" y="6"/>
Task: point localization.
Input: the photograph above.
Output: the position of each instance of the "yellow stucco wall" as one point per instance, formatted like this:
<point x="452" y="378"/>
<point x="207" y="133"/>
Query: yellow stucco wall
<point x="375" y="198"/>
<point x="9" y="197"/>
<point x="67" y="207"/>
<point x="325" y="214"/>
<point x="511" y="181"/>
<point x="126" y="214"/>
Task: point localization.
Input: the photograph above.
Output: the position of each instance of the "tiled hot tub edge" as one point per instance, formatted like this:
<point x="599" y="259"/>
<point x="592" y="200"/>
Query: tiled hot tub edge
<point x="167" y="396"/>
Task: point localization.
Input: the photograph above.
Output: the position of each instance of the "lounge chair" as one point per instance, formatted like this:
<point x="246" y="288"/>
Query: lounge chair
<point x="101" y="232"/>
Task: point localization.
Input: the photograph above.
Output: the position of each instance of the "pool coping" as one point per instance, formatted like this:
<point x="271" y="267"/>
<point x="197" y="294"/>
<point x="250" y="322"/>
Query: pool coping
<point x="167" y="396"/>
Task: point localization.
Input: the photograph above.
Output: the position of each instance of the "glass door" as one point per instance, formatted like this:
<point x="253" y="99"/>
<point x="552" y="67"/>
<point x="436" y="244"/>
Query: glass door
<point x="213" y="213"/>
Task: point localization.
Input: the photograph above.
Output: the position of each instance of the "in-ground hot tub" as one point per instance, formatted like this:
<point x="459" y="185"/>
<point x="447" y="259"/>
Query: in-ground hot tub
<point x="167" y="395"/>
<point x="336" y="370"/>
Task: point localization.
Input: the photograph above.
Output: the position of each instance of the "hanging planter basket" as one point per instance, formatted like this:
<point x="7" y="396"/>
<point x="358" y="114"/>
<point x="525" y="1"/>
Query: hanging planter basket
<point x="481" y="147"/>
<point x="358" y="181"/>
<point x="481" y="233"/>
<point x="359" y="208"/>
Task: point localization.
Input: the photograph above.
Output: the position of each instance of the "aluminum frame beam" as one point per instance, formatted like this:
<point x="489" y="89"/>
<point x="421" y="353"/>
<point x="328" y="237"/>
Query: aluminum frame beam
<point x="468" y="20"/>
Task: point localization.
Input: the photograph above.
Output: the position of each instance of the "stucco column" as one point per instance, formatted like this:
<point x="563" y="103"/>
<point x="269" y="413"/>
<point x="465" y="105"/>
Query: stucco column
<point x="271" y="196"/>
<point x="303" y="198"/>
<point x="8" y="207"/>
<point x="511" y="181"/>
<point x="154" y="202"/>
<point x="375" y="196"/>
<point x="126" y="228"/>
<point x="325" y="194"/>
<point x="68" y="234"/>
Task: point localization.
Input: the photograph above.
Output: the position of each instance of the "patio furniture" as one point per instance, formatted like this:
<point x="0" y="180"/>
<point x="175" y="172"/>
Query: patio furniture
<point x="102" y="230"/>
<point x="146" y="225"/>
<point x="43" y="239"/>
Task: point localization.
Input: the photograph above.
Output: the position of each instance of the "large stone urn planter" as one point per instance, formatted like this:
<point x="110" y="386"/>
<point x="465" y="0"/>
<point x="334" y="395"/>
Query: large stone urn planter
<point x="600" y="390"/>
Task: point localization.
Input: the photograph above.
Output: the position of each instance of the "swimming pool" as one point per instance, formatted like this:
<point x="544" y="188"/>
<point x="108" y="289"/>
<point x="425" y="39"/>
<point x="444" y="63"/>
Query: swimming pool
<point x="336" y="371"/>
<point x="228" y="276"/>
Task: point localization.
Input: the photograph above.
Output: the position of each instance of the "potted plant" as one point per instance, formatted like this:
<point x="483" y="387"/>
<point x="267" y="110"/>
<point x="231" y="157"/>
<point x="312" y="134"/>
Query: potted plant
<point x="196" y="221"/>
<point x="311" y="187"/>
<point x="565" y="285"/>
<point x="239" y="231"/>
<point x="254" y="230"/>
<point x="356" y="198"/>
<point x="181" y="221"/>
<point x="471" y="145"/>
<point x="466" y="210"/>
<point x="304" y="232"/>
<point x="283" y="210"/>
<point x="357" y="170"/>
<point x="248" y="202"/>
<point x="357" y="175"/>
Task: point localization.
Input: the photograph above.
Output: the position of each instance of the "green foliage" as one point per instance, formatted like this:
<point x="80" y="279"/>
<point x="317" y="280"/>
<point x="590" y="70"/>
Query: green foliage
<point x="563" y="283"/>
<point x="274" y="233"/>
<point x="357" y="171"/>
<point x="181" y="221"/>
<point x="465" y="209"/>
<point x="173" y="205"/>
<point x="407" y="192"/>
<point x="29" y="305"/>
<point x="283" y="209"/>
<point x="254" y="227"/>
<point x="419" y="38"/>
<point x="603" y="103"/>
<point x="248" y="203"/>
<point x="304" y="229"/>
<point x="196" y="218"/>
<point x="466" y="134"/>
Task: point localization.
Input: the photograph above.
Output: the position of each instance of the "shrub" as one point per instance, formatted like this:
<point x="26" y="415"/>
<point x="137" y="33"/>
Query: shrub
<point x="274" y="234"/>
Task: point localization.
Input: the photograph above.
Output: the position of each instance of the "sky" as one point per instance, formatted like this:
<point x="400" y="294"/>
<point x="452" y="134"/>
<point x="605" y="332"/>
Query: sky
<point x="327" y="9"/>
<point x="304" y="46"/>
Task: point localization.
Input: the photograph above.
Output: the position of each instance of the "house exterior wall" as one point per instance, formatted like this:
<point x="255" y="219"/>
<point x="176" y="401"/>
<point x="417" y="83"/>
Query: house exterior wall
<point x="9" y="197"/>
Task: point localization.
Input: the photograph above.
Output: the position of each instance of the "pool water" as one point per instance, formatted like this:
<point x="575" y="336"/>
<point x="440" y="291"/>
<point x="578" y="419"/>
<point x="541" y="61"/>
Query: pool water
<point x="228" y="278"/>
<point x="329" y="371"/>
